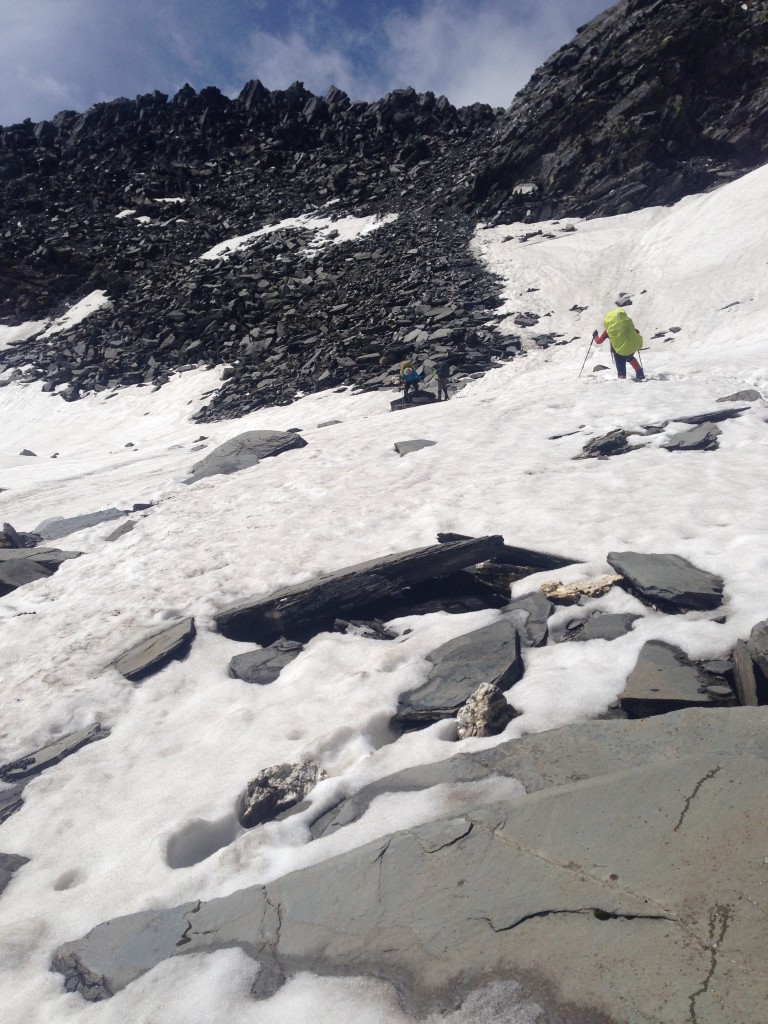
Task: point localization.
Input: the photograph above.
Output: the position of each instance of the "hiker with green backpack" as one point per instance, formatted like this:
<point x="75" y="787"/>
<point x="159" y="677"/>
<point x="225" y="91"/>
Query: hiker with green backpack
<point x="625" y="341"/>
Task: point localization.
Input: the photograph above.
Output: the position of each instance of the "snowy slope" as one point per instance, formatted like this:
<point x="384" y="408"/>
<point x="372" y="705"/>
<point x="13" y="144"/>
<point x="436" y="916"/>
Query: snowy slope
<point x="185" y="741"/>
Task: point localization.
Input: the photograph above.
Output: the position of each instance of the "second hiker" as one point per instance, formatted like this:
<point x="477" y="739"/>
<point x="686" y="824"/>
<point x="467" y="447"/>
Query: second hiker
<point x="625" y="341"/>
<point x="410" y="378"/>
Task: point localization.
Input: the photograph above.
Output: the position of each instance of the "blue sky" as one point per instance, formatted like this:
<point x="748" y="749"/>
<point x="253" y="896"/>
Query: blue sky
<point x="69" y="54"/>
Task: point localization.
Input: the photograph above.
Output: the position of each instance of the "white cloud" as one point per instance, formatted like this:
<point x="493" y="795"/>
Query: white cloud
<point x="472" y="52"/>
<point x="280" y="62"/>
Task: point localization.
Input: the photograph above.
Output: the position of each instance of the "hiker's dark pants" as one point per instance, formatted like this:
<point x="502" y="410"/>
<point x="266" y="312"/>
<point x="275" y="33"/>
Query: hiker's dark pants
<point x="442" y="388"/>
<point x="621" y="363"/>
<point x="408" y="386"/>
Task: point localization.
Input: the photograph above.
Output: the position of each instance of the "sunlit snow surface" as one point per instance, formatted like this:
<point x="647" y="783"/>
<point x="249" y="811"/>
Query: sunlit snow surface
<point x="185" y="741"/>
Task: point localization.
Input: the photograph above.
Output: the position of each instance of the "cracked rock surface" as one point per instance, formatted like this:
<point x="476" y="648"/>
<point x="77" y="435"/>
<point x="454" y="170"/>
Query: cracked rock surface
<point x="634" y="892"/>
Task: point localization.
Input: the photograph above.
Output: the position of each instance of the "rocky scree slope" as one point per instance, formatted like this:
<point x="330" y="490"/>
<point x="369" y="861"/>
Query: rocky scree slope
<point x="284" y="318"/>
<point x="651" y="101"/>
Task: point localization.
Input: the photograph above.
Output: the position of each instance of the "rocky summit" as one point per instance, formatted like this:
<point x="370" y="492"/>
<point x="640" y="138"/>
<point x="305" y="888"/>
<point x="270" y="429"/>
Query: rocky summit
<point x="652" y="100"/>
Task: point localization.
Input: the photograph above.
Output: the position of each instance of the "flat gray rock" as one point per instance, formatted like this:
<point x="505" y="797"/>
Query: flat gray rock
<point x="263" y="667"/>
<point x="157" y="650"/>
<point x="699" y="438"/>
<point x="668" y="582"/>
<point x="510" y="554"/>
<point x="664" y="680"/>
<point x="606" y="627"/>
<point x="243" y="451"/>
<point x="487" y="655"/>
<point x="36" y="762"/>
<point x="406" y="447"/>
<point x="630" y="896"/>
<point x="584" y="750"/>
<point x="10" y="862"/>
<point x="53" y="529"/>
<point x="301" y="611"/>
<point x="121" y="531"/>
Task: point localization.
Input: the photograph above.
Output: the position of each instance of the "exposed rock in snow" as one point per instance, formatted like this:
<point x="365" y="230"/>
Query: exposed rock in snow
<point x="486" y="713"/>
<point x="157" y="650"/>
<point x="276" y="790"/>
<point x="667" y="581"/>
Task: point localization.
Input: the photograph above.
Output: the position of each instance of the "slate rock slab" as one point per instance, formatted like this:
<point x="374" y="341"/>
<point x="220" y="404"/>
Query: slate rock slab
<point x="54" y="529"/>
<point x="9" y="863"/>
<point x="701" y="438"/>
<point x="564" y="887"/>
<point x="243" y="451"/>
<point x="36" y="762"/>
<point x="575" y="752"/>
<point x="406" y="447"/>
<point x="300" y="612"/>
<point x="263" y="667"/>
<point x="156" y="651"/>
<point x="606" y="627"/>
<point x="510" y="554"/>
<point x="669" y="582"/>
<point x="664" y="680"/>
<point x="487" y="655"/>
<point x="276" y="790"/>
<point x="19" y="566"/>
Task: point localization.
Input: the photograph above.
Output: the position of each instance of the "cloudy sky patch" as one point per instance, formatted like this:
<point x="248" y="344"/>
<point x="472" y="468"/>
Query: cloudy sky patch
<point x="70" y="54"/>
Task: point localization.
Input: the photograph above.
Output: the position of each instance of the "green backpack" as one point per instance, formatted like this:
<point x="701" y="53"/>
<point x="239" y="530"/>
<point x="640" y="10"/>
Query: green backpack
<point x="625" y="338"/>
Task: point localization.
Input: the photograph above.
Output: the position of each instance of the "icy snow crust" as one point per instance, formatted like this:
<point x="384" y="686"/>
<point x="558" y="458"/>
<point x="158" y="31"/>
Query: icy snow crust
<point x="185" y="741"/>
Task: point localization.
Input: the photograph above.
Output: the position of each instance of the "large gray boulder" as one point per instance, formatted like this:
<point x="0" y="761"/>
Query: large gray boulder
<point x="153" y="653"/>
<point x="627" y="895"/>
<point x="664" y="679"/>
<point x="308" y="608"/>
<point x="757" y="645"/>
<point x="669" y="582"/>
<point x="243" y="451"/>
<point x="487" y="655"/>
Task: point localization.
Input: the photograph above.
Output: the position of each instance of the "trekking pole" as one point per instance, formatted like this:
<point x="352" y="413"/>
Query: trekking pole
<point x="586" y="357"/>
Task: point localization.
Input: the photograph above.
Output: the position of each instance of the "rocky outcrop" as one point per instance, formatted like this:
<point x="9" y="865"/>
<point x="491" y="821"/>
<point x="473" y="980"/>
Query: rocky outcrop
<point x="153" y="653"/>
<point x="652" y="100"/>
<point x="54" y="529"/>
<point x="564" y="887"/>
<point x="243" y="451"/>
